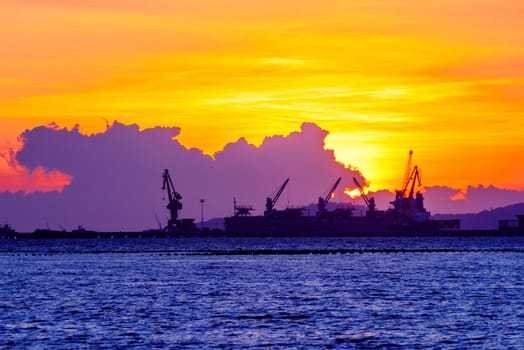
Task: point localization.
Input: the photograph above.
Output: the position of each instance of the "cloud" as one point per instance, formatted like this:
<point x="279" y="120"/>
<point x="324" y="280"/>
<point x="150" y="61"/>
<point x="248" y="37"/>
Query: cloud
<point x="445" y="200"/>
<point x="16" y="177"/>
<point x="116" y="176"/>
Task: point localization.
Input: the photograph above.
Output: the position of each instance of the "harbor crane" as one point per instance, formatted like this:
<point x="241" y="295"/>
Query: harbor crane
<point x="408" y="206"/>
<point x="271" y="202"/>
<point x="174" y="204"/>
<point x="322" y="202"/>
<point x="411" y="176"/>
<point x="370" y="202"/>
<point x="414" y="178"/>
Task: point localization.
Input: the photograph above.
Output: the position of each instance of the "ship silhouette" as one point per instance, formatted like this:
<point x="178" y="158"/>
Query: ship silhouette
<point x="407" y="214"/>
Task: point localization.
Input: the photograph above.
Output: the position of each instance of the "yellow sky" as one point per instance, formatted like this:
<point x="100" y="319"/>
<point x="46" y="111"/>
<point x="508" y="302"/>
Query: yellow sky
<point x="444" y="78"/>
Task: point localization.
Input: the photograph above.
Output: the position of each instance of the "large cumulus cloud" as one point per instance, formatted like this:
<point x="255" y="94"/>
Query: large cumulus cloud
<point x="116" y="176"/>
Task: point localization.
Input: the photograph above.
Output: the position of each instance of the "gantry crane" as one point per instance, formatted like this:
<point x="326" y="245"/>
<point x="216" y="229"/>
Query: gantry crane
<point x="174" y="204"/>
<point x="271" y="202"/>
<point x="322" y="202"/>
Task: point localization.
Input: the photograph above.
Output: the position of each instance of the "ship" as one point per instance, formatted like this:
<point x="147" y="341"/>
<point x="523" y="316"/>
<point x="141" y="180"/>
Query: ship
<point x="6" y="231"/>
<point x="406" y="215"/>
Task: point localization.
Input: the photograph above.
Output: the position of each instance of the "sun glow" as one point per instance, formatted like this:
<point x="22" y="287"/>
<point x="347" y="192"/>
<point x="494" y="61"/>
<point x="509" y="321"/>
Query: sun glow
<point x="352" y="193"/>
<point x="444" y="78"/>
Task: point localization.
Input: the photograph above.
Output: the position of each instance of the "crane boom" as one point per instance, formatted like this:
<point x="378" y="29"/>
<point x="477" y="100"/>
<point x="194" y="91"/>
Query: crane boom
<point x="370" y="202"/>
<point x="322" y="202"/>
<point x="271" y="202"/>
<point x="414" y="177"/>
<point x="361" y="190"/>
<point x="407" y="172"/>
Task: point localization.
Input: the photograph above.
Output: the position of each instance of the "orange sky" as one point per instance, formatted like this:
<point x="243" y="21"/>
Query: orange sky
<point x="444" y="78"/>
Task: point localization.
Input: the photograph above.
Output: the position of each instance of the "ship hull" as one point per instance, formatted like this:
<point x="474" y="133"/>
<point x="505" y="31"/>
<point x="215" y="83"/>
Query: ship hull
<point x="261" y="226"/>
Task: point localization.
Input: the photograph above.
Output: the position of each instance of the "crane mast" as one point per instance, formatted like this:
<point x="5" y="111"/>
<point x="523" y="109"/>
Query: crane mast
<point x="271" y="202"/>
<point x="322" y="202"/>
<point x="174" y="204"/>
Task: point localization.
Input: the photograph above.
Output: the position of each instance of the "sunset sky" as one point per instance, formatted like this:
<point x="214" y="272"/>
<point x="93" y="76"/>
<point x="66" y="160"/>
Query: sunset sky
<point x="444" y="78"/>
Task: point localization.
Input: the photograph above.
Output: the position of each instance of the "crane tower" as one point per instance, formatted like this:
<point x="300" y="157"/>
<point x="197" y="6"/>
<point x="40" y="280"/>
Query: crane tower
<point x="174" y="204"/>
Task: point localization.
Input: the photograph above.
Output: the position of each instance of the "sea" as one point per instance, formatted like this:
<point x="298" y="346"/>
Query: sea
<point x="274" y="293"/>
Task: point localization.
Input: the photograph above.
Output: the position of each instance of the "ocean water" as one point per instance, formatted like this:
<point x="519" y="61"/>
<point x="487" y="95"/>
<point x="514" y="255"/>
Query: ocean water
<point x="449" y="293"/>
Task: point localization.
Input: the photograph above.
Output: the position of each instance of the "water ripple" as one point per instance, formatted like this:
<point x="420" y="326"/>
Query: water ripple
<point x="133" y="297"/>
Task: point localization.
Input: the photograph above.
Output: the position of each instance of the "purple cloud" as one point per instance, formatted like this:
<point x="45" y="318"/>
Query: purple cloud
<point x="474" y="199"/>
<point x="116" y="176"/>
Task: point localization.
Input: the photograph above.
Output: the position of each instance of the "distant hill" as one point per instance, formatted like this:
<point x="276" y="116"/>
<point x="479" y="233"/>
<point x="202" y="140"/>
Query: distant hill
<point x="213" y="223"/>
<point x="487" y="219"/>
